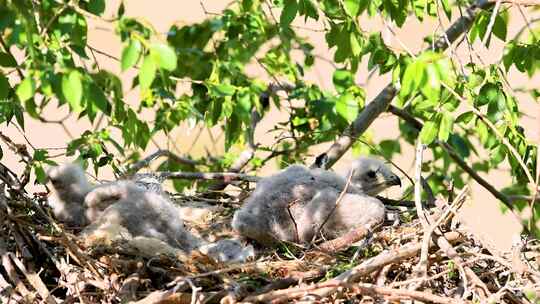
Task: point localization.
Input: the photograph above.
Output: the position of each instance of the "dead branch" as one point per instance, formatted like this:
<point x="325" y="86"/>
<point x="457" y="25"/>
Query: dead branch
<point x="345" y="241"/>
<point x="367" y="267"/>
<point x="224" y="176"/>
<point x="145" y="162"/>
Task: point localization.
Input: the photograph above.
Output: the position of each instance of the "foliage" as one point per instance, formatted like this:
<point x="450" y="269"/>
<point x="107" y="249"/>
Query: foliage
<point x="469" y="106"/>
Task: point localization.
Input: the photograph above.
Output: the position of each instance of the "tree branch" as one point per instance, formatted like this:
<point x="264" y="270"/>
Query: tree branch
<point x="455" y="157"/>
<point x="383" y="99"/>
<point x="224" y="176"/>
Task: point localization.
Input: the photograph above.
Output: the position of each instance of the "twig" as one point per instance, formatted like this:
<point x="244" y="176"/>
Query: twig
<point x="491" y="21"/>
<point x="354" y="274"/>
<point x="225" y="176"/>
<point x="34" y="280"/>
<point x="145" y="162"/>
<point x="350" y="237"/>
<point x="338" y="200"/>
<point x="423" y="263"/>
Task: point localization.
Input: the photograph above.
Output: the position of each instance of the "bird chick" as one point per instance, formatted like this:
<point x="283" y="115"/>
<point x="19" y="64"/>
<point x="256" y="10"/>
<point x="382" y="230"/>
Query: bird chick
<point x="294" y="204"/>
<point x="139" y="212"/>
<point x="70" y="186"/>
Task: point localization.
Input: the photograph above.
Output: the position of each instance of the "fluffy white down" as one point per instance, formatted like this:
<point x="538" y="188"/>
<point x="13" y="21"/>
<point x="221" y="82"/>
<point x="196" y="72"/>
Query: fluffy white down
<point x="293" y="204"/>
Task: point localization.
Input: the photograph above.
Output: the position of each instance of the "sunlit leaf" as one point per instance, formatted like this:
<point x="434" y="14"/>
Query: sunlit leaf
<point x="72" y="89"/>
<point x="147" y="73"/>
<point x="164" y="56"/>
<point x="131" y="54"/>
<point x="352" y="7"/>
<point x="447" y="123"/>
<point x="26" y="89"/>
<point x="429" y="131"/>
<point x="347" y="106"/>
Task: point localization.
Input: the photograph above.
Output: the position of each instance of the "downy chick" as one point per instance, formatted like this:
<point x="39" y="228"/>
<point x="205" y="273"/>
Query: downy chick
<point x="293" y="204"/>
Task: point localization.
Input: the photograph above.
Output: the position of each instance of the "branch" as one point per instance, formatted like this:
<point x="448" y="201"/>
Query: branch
<point x="145" y="162"/>
<point x="452" y="153"/>
<point x="384" y="98"/>
<point x="368" y="266"/>
<point x="351" y="237"/>
<point x="223" y="176"/>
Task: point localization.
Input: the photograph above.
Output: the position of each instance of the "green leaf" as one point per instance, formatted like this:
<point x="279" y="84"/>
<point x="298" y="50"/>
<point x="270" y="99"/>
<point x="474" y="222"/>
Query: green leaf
<point x="7" y="60"/>
<point x="432" y="86"/>
<point x="147" y="73"/>
<point x="98" y="99"/>
<point x="289" y="13"/>
<point x="164" y="56"/>
<point x="223" y="90"/>
<point x="130" y="54"/>
<point x="356" y="48"/>
<point x="389" y="147"/>
<point x="459" y="145"/>
<point x="500" y="27"/>
<point x="347" y="107"/>
<point x="411" y="78"/>
<point x="41" y="176"/>
<point x="488" y="93"/>
<point x="96" y="7"/>
<point x="352" y="7"/>
<point x="342" y="80"/>
<point x="447" y="9"/>
<point x="72" y="90"/>
<point x="447" y="124"/>
<point x="429" y="131"/>
<point x="465" y="117"/>
<point x="4" y="87"/>
<point x="26" y="89"/>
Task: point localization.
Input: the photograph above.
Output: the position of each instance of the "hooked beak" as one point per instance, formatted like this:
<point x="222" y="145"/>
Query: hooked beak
<point x="394" y="181"/>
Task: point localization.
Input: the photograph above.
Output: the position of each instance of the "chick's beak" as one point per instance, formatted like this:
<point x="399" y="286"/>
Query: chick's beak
<point x="394" y="181"/>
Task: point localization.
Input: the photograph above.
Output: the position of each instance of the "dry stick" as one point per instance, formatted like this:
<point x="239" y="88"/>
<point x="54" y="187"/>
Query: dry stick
<point x="443" y="219"/>
<point x="354" y="274"/>
<point x="374" y="290"/>
<point x="224" y="176"/>
<point x="145" y="162"/>
<point x="353" y="236"/>
<point x="340" y="197"/>
<point x="34" y="280"/>
<point x="11" y="272"/>
<point x="384" y="98"/>
<point x="491" y="21"/>
<point x="422" y="266"/>
<point x="447" y="248"/>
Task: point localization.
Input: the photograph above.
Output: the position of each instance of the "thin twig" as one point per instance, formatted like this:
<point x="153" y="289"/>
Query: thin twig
<point x="491" y="21"/>
<point x="224" y="176"/>
<point x="338" y="200"/>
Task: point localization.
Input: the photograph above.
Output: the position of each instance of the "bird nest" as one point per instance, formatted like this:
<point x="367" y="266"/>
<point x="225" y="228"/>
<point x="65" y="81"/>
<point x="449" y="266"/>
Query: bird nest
<point x="429" y="259"/>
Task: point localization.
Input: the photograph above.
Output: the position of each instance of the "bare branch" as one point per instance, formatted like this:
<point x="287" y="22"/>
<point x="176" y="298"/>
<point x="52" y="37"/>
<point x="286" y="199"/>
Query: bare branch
<point x="369" y="266"/>
<point x="224" y="176"/>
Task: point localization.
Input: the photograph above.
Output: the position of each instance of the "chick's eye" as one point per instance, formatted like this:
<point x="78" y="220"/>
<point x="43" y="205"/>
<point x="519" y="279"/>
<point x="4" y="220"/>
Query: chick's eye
<point x="371" y="174"/>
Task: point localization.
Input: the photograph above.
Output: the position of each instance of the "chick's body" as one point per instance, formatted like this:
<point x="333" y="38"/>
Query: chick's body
<point x="294" y="204"/>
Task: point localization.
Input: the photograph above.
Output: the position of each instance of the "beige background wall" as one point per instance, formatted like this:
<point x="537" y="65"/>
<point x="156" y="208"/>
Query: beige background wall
<point x="481" y="213"/>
